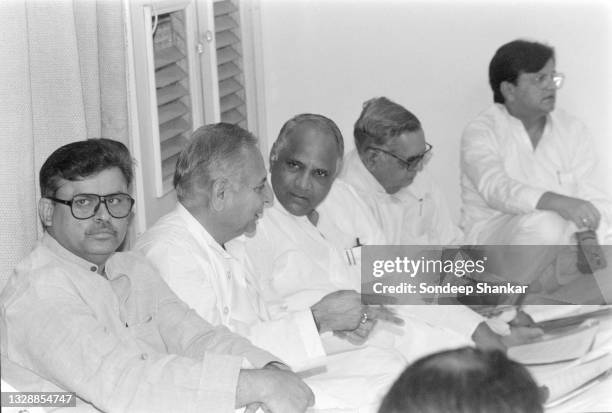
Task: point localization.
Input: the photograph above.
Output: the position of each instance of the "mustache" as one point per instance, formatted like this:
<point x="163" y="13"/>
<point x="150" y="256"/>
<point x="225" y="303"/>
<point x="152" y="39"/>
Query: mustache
<point x="102" y="228"/>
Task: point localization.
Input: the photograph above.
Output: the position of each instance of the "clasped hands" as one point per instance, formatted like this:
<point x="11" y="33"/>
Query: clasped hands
<point x="351" y="315"/>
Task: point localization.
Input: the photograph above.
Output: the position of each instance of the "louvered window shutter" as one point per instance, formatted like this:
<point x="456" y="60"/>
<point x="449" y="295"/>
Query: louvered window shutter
<point x="172" y="91"/>
<point x="229" y="63"/>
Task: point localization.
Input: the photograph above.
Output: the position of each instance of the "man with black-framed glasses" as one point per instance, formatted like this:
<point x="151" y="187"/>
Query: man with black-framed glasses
<point x="386" y="169"/>
<point x="79" y="317"/>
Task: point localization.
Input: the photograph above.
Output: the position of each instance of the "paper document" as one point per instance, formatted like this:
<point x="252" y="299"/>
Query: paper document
<point x="543" y="313"/>
<point x="551" y="348"/>
<point x="573" y="378"/>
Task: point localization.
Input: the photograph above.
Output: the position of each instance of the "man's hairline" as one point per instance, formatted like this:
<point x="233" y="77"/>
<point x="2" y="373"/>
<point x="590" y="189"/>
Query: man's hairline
<point x="80" y="178"/>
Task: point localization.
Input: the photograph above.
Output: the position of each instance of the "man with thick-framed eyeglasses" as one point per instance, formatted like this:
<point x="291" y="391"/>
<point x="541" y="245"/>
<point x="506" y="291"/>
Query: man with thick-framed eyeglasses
<point x="386" y="169"/>
<point x="529" y="170"/>
<point x="77" y="316"/>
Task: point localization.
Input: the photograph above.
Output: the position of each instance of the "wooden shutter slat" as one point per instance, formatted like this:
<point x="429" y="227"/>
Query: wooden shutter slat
<point x="166" y="56"/>
<point x="171" y="111"/>
<point x="230" y="102"/>
<point x="228" y="86"/>
<point x="169" y="74"/>
<point x="173" y="128"/>
<point x="224" y="7"/>
<point x="173" y="146"/>
<point x="232" y="116"/>
<point x="227" y="70"/>
<point x="224" y="23"/>
<point x="226" y="38"/>
<point x="169" y="93"/>
<point x="168" y="167"/>
<point x="226" y="54"/>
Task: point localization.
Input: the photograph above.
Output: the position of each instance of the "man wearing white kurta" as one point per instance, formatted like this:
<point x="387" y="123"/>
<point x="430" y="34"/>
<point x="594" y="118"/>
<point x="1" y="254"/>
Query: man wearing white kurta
<point x="528" y="173"/>
<point x="308" y="242"/>
<point x="219" y="202"/>
<point x="386" y="170"/>
<point x="417" y="214"/>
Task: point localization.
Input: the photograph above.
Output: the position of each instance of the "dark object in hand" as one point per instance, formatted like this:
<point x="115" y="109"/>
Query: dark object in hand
<point x="590" y="254"/>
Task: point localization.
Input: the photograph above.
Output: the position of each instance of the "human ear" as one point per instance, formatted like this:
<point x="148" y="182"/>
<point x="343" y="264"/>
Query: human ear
<point x="273" y="154"/>
<point x="507" y="90"/>
<point x="45" y="211"/>
<point x="219" y="193"/>
<point x="369" y="158"/>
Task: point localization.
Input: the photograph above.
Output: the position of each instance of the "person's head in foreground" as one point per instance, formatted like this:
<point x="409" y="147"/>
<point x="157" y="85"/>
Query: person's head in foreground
<point x="304" y="161"/>
<point x="221" y="180"/>
<point x="523" y="78"/>
<point x="391" y="143"/>
<point x="85" y="202"/>
<point x="465" y="380"/>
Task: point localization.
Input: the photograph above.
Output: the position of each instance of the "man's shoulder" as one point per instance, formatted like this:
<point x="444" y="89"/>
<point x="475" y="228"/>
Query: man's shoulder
<point x="38" y="271"/>
<point x="343" y="190"/>
<point x="169" y="229"/>
<point x="41" y="264"/>
<point x="489" y="117"/>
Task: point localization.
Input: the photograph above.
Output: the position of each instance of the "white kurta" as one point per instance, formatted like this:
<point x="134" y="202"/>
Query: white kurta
<point x="298" y="264"/>
<point x="503" y="177"/>
<point x="219" y="286"/>
<point x="415" y="215"/>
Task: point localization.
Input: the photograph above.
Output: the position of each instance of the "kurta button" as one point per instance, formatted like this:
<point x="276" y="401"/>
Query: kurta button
<point x="144" y="356"/>
<point x="93" y="268"/>
<point x="225" y="310"/>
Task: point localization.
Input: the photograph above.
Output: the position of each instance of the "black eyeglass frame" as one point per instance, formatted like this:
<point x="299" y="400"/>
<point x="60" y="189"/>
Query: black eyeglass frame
<point x="410" y="163"/>
<point x="101" y="200"/>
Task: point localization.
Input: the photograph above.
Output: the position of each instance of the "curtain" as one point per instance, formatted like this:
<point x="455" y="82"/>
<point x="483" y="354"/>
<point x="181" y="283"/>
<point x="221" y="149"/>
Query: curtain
<point x="62" y="79"/>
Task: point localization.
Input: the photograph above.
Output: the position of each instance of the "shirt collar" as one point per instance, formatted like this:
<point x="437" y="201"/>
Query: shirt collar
<point x="51" y="243"/>
<point x="197" y="230"/>
<point x="357" y="175"/>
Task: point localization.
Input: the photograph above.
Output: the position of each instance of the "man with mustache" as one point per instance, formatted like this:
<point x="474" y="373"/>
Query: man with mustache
<point x="528" y="170"/>
<point x="222" y="188"/>
<point x="78" y="316"/>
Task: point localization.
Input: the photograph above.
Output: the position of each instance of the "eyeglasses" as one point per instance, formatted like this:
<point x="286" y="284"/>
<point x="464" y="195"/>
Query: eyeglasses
<point x="408" y="163"/>
<point x="542" y="79"/>
<point x="84" y="206"/>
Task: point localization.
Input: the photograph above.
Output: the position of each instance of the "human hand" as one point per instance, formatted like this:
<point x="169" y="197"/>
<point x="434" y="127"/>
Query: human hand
<point x="522" y="319"/>
<point x="273" y="390"/>
<point x="522" y="335"/>
<point x="359" y="335"/>
<point x="345" y="310"/>
<point x="487" y="339"/>
<point x="581" y="212"/>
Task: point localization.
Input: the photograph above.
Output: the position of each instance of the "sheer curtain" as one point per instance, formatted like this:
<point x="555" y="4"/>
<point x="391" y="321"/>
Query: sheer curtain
<point x="62" y="79"/>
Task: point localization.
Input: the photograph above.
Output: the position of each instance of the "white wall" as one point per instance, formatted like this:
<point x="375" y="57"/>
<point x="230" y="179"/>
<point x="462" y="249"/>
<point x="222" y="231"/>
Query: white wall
<point x="328" y="56"/>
